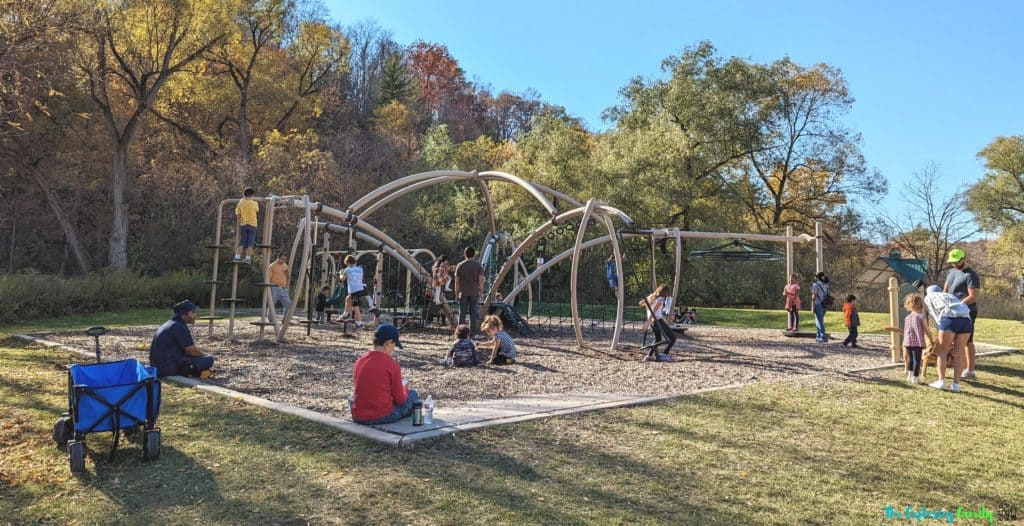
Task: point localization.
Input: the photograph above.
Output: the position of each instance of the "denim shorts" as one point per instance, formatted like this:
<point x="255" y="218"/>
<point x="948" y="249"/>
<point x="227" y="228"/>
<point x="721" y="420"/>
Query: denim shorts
<point x="247" y="236"/>
<point x="956" y="325"/>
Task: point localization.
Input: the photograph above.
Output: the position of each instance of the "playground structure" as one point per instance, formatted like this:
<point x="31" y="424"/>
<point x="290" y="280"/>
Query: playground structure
<point x="502" y="258"/>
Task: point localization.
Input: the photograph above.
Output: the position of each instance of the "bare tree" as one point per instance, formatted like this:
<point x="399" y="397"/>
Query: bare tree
<point x="930" y="226"/>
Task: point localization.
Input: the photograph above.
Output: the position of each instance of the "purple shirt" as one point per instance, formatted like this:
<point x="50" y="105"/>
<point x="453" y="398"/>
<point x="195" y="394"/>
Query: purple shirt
<point x="913" y="330"/>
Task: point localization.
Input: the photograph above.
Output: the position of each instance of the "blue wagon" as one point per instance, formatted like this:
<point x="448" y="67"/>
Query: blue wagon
<point x="110" y="396"/>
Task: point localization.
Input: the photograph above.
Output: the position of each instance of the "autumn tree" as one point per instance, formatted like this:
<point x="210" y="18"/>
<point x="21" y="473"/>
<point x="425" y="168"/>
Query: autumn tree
<point x="260" y="26"/>
<point x="804" y="163"/>
<point x="130" y="52"/>
<point x="997" y="200"/>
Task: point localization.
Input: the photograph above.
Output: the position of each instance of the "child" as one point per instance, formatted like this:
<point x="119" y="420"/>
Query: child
<point x="503" y="350"/>
<point x="353" y="278"/>
<point x="852" y="320"/>
<point x="610" y="274"/>
<point x="321" y="306"/>
<point x="915" y="334"/>
<point x="463" y="352"/>
<point x="654" y="303"/>
<point x="691" y="316"/>
<point x="246" y="211"/>
<point x="792" y="294"/>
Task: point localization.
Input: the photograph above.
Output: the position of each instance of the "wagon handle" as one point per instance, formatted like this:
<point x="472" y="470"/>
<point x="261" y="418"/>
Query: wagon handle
<point x="96" y="332"/>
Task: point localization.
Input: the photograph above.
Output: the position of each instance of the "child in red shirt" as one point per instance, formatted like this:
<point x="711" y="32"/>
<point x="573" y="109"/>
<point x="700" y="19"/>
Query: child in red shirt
<point x="381" y="396"/>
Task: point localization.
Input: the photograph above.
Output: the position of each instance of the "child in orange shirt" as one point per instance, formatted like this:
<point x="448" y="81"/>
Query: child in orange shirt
<point x="852" y="320"/>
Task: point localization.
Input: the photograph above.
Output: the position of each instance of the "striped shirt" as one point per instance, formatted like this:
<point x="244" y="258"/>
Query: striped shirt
<point x="914" y="330"/>
<point x="508" y="347"/>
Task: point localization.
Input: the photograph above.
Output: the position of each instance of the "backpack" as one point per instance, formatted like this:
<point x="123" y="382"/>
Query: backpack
<point x="464" y="354"/>
<point x="828" y="301"/>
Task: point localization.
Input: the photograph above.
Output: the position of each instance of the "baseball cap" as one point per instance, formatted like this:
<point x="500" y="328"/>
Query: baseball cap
<point x="934" y="289"/>
<point x="183" y="307"/>
<point x="387" y="332"/>
<point x="955" y="255"/>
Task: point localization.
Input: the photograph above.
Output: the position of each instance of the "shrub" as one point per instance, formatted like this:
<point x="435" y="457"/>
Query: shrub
<point x="30" y="295"/>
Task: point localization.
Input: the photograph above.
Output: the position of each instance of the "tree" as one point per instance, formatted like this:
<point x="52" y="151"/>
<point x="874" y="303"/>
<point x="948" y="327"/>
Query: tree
<point x="260" y="26"/>
<point x="395" y="81"/>
<point x="132" y="49"/>
<point x="804" y="163"/>
<point x="317" y="52"/>
<point x="997" y="200"/>
<point x="930" y="226"/>
<point x="705" y="118"/>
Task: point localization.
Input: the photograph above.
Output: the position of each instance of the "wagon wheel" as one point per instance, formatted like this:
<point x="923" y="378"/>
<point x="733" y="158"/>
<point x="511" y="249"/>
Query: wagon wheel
<point x="151" y="445"/>
<point x="76" y="448"/>
<point x="62" y="432"/>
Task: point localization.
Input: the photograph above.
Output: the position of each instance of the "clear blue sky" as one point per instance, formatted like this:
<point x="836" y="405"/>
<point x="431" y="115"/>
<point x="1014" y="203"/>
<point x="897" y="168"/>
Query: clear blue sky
<point x="933" y="81"/>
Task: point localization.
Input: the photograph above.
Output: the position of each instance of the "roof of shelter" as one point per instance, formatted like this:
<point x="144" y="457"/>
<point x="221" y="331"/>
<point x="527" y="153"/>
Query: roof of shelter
<point x="906" y="270"/>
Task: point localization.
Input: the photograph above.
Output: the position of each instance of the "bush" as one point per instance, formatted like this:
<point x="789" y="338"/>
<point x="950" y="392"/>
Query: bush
<point x="27" y="296"/>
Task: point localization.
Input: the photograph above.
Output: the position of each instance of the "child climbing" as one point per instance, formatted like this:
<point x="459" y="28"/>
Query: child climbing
<point x="246" y="211"/>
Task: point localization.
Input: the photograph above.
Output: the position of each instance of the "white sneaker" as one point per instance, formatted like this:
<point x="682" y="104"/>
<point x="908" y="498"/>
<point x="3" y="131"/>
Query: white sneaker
<point x="916" y="380"/>
<point x="955" y="388"/>
<point x="248" y="259"/>
<point x="238" y="258"/>
<point x="938" y="384"/>
<point x="360" y="325"/>
<point x="910" y="376"/>
<point x="968" y="374"/>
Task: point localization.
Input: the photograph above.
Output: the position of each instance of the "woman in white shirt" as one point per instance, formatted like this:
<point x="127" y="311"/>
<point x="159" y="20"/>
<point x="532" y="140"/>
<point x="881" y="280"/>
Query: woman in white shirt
<point x="953" y="319"/>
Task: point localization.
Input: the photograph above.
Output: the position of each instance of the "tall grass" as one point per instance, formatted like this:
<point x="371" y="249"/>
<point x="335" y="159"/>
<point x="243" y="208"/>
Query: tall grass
<point x="29" y="296"/>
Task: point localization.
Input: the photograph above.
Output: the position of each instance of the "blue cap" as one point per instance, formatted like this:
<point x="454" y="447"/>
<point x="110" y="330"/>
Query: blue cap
<point x="387" y="332"/>
<point x="183" y="307"/>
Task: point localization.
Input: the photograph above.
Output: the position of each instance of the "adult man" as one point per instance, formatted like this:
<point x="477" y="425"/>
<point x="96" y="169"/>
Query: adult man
<point x="381" y="396"/>
<point x="278" y="275"/>
<point x="173" y="352"/>
<point x="469" y="285"/>
<point x="963" y="282"/>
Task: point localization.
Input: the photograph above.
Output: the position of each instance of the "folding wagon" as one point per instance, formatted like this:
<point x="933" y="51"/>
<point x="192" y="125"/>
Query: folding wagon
<point x="111" y="396"/>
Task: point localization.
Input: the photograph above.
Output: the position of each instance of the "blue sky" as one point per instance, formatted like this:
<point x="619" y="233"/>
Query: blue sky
<point x="934" y="81"/>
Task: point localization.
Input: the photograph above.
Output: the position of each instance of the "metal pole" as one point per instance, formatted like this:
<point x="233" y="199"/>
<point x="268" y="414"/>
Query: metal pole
<point x="577" y="323"/>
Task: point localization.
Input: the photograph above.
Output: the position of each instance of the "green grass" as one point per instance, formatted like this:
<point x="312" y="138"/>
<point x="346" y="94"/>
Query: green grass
<point x="813" y="452"/>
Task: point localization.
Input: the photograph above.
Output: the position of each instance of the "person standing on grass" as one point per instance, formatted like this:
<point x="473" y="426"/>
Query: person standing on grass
<point x="792" y="294"/>
<point x="953" y="319"/>
<point x="469" y="286"/>
<point x="246" y="211"/>
<point x="279" y="277"/>
<point x="381" y="396"/>
<point x="819" y="296"/>
<point x="915" y="335"/>
<point x="173" y="352"/>
<point x="963" y="282"/>
<point x="852" y="319"/>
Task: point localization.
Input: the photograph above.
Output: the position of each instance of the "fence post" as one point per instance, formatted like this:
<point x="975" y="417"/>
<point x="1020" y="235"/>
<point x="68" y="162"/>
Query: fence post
<point x="894" y="320"/>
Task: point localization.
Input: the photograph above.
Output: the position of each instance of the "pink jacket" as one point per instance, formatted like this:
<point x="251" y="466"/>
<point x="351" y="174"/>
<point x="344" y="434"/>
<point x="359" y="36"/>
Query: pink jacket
<point x="792" y="292"/>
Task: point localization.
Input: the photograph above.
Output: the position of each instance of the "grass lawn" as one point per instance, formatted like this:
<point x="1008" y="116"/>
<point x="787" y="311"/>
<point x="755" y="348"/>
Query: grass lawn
<point x="805" y="452"/>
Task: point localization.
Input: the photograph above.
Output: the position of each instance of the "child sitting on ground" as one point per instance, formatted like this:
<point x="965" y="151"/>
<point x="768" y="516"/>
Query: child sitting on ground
<point x="503" y="349"/>
<point x="463" y="352"/>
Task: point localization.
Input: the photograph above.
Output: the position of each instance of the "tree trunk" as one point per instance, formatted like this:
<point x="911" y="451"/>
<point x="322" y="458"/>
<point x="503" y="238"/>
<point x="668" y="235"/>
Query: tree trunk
<point x="118" y="250"/>
<point x="244" y="142"/>
<point x="70" y="232"/>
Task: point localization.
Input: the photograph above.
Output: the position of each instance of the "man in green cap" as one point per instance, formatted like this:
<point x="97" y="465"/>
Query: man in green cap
<point x="963" y="282"/>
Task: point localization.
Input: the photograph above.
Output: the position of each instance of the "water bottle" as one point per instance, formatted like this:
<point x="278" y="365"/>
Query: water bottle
<point x="417" y="413"/>
<point x="428" y="410"/>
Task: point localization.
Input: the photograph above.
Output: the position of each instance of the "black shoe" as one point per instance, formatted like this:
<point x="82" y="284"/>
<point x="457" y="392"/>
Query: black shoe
<point x="855" y="346"/>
